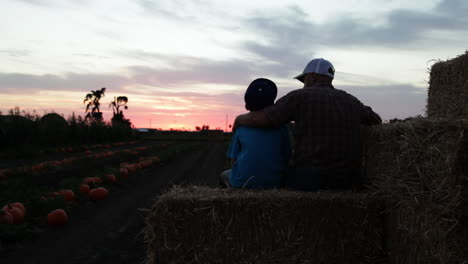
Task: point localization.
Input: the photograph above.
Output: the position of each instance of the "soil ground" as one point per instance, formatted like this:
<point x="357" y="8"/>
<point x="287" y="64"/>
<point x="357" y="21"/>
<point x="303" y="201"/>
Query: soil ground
<point x="110" y="231"/>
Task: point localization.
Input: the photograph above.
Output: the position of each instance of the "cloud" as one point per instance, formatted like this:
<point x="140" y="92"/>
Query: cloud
<point x="457" y="9"/>
<point x="16" y="52"/>
<point x="49" y="3"/>
<point x="185" y="70"/>
<point x="291" y="34"/>
<point x="36" y="2"/>
<point x="17" y="83"/>
<point x="391" y="101"/>
<point x="174" y="10"/>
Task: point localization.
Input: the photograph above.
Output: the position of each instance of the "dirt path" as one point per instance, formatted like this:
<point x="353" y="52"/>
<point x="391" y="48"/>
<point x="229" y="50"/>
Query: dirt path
<point x="110" y="231"/>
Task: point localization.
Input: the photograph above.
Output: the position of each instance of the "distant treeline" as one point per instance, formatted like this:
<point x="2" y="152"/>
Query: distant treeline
<point x="20" y="127"/>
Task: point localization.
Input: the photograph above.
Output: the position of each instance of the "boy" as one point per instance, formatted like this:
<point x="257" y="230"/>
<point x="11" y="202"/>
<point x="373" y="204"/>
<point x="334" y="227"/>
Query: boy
<point x="259" y="156"/>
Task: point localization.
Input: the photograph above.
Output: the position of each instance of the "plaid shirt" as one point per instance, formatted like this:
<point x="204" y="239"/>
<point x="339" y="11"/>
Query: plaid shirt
<point x="327" y="126"/>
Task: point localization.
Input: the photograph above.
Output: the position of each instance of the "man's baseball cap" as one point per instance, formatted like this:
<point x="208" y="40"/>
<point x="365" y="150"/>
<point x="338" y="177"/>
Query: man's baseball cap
<point x="260" y="94"/>
<point x="319" y="66"/>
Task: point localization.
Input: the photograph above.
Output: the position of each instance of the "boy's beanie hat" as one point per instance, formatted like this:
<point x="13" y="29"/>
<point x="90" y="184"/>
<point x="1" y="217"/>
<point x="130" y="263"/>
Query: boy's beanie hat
<point x="260" y="94"/>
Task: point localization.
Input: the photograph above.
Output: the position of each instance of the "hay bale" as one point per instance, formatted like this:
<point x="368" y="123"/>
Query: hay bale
<point x="448" y="89"/>
<point x="420" y="168"/>
<point x="202" y="225"/>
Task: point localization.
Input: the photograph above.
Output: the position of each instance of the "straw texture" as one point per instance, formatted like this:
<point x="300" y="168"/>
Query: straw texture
<point x="448" y="89"/>
<point x="202" y="225"/>
<point x="419" y="168"/>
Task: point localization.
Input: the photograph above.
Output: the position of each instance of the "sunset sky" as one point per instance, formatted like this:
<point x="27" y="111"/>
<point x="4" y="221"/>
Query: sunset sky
<point x="188" y="63"/>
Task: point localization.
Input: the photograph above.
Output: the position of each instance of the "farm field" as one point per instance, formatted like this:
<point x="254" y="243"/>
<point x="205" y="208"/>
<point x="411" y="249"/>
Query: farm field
<point x="102" y="231"/>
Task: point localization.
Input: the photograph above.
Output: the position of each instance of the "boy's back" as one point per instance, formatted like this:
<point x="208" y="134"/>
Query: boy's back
<point x="261" y="157"/>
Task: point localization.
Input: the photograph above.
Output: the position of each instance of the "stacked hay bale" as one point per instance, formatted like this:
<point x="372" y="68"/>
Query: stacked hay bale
<point x="202" y="225"/>
<point x="420" y="168"/>
<point x="448" y="89"/>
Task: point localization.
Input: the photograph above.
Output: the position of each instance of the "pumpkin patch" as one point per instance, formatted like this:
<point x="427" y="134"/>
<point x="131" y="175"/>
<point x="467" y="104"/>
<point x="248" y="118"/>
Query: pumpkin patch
<point x="61" y="184"/>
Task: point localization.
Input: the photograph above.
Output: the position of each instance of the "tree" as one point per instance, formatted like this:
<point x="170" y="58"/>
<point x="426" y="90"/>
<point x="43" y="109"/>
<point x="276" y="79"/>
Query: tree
<point x="116" y="104"/>
<point x="197" y="128"/>
<point x="92" y="104"/>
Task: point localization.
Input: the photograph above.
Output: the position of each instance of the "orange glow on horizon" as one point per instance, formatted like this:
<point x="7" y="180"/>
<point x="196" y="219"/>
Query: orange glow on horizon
<point x="215" y="118"/>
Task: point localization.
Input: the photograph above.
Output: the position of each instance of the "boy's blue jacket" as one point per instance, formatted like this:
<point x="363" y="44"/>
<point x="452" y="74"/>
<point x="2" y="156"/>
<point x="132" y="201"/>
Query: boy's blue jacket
<point x="261" y="155"/>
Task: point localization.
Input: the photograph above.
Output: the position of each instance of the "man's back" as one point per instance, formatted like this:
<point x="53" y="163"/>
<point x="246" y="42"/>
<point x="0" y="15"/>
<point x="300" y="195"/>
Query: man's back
<point x="327" y="126"/>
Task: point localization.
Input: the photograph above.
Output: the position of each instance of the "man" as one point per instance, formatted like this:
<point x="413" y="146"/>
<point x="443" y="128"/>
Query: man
<point x="327" y="152"/>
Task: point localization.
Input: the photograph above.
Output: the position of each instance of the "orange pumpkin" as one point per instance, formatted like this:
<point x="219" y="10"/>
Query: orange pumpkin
<point x="55" y="163"/>
<point x="98" y="193"/>
<point x="84" y="188"/>
<point x="57" y="217"/>
<point x="37" y="167"/>
<point x="15" y="205"/>
<point x="131" y="169"/>
<point x="6" y="218"/>
<point x="68" y="195"/>
<point x="19" y="206"/>
<point x="97" y="180"/>
<point x="15" y="212"/>
<point x="88" y="180"/>
<point x="111" y="179"/>
<point x="124" y="172"/>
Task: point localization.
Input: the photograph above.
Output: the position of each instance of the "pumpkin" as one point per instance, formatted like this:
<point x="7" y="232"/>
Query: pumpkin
<point x="124" y="172"/>
<point x="111" y="179"/>
<point x="131" y="169"/>
<point x="15" y="205"/>
<point x="68" y="195"/>
<point x="84" y="188"/>
<point x="20" y="206"/>
<point x="88" y="180"/>
<point x="97" y="180"/>
<point x="6" y="218"/>
<point x="37" y="167"/>
<point x="15" y="212"/>
<point x="57" y="217"/>
<point x="98" y="193"/>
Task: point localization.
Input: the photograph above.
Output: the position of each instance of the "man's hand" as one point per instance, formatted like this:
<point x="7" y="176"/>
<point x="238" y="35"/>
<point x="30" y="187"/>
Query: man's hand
<point x="252" y="119"/>
<point x="237" y="123"/>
